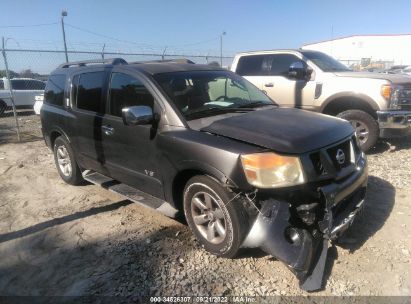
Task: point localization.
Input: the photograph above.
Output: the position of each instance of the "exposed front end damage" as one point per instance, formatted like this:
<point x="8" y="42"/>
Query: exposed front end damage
<point x="299" y="233"/>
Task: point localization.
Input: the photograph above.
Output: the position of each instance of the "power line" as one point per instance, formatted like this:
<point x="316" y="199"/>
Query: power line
<point x="28" y="25"/>
<point x="136" y="43"/>
<point x="105" y="36"/>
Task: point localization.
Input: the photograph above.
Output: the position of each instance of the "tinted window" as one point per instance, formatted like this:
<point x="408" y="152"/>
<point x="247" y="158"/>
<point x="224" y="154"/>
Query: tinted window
<point x="1" y="85"/>
<point x="126" y="91"/>
<point x="54" y="93"/>
<point x="18" y="84"/>
<point x="89" y="92"/>
<point x="35" y="85"/>
<point x="250" y="65"/>
<point x="278" y="65"/>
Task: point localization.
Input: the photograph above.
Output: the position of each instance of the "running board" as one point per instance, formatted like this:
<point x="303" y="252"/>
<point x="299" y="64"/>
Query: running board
<point x="130" y="193"/>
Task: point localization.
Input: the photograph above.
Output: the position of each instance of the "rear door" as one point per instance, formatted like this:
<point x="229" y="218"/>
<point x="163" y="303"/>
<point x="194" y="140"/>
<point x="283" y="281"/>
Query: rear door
<point x="130" y="151"/>
<point x="250" y="67"/>
<point x="22" y="94"/>
<point x="88" y="107"/>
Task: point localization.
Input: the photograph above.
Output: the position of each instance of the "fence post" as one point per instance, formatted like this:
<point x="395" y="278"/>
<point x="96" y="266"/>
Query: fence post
<point x="102" y="51"/>
<point x="10" y="88"/>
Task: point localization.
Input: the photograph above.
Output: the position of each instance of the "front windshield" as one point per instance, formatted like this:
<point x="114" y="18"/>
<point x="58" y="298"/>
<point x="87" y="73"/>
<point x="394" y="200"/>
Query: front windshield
<point x="205" y="93"/>
<point x="325" y="62"/>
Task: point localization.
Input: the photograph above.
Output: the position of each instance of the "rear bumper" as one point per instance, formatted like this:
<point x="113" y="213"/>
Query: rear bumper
<point x="394" y="123"/>
<point x="278" y="231"/>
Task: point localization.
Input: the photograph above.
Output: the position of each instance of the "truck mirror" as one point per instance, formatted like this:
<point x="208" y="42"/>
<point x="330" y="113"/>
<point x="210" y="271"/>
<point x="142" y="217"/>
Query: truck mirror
<point x="137" y="115"/>
<point x="298" y="70"/>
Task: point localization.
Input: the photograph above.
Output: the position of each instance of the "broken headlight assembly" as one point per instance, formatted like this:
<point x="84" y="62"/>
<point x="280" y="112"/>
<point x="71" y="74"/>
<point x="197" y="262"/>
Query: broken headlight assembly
<point x="271" y="170"/>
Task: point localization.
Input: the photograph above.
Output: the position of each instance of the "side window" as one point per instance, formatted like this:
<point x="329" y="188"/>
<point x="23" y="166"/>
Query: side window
<point x="1" y="85"/>
<point x="278" y="64"/>
<point x="250" y="65"/>
<point x="89" y="92"/>
<point x="54" y="91"/>
<point x="127" y="91"/>
<point x="18" y="84"/>
<point x="35" y="85"/>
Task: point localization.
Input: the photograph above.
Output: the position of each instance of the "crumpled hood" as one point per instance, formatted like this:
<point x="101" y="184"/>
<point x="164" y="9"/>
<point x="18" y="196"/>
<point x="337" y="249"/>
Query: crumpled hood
<point x="284" y="130"/>
<point x="394" y="78"/>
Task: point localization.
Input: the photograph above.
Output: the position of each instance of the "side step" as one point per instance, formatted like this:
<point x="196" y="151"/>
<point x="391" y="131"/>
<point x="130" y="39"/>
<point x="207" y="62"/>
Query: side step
<point x="130" y="193"/>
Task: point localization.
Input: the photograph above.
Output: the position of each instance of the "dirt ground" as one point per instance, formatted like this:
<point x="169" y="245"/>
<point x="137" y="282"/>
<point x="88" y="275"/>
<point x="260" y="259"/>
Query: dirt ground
<point x="57" y="239"/>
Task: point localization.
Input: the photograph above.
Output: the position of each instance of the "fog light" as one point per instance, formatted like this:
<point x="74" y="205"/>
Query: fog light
<point x="307" y="213"/>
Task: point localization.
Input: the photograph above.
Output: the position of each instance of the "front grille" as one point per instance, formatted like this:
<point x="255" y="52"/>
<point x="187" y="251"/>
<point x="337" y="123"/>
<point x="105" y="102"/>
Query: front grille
<point x="335" y="158"/>
<point x="318" y="164"/>
<point x="340" y="155"/>
<point x="404" y="99"/>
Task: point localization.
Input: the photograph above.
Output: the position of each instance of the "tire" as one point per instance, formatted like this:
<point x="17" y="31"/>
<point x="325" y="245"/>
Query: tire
<point x="225" y="212"/>
<point x="66" y="163"/>
<point x="3" y="107"/>
<point x="365" y="125"/>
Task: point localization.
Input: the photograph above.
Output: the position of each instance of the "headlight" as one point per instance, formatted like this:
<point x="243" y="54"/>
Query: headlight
<point x="392" y="94"/>
<point x="270" y="170"/>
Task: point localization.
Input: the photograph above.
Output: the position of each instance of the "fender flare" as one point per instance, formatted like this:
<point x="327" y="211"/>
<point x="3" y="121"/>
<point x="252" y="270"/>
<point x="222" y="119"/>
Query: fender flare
<point x="360" y="96"/>
<point x="209" y="170"/>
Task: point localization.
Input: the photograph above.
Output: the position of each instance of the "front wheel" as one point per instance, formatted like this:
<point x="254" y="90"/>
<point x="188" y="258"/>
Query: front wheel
<point x="218" y="221"/>
<point x="365" y="126"/>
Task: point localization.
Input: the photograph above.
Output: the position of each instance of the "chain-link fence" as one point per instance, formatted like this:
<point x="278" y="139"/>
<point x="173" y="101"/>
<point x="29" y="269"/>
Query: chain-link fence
<point x="23" y="75"/>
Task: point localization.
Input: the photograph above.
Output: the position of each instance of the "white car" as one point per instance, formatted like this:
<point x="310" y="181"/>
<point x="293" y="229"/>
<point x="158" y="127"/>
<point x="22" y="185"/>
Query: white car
<point x="26" y="92"/>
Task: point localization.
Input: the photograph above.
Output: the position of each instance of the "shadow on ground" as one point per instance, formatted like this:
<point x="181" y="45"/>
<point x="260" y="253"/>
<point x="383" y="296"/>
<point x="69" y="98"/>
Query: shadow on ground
<point x="396" y="144"/>
<point x="57" y="257"/>
<point x="378" y="205"/>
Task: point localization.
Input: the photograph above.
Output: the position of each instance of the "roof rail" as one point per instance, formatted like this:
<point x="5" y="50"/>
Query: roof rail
<point x="113" y="61"/>
<point x="178" y="60"/>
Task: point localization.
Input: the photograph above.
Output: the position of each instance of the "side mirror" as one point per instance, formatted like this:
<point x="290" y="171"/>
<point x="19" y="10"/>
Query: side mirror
<point x="298" y="70"/>
<point x="137" y="115"/>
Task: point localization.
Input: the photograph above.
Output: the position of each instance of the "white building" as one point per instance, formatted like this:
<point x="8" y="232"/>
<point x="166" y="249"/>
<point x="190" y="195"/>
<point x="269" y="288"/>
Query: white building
<point x="387" y="49"/>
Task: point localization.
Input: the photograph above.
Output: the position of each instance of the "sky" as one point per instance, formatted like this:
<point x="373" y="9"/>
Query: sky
<point x="185" y="26"/>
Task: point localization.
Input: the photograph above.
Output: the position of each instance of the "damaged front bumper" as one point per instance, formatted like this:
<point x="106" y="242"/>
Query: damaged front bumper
<point x="303" y="247"/>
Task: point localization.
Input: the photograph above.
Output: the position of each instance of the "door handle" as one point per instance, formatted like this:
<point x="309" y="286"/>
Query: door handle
<point x="269" y="85"/>
<point x="108" y="130"/>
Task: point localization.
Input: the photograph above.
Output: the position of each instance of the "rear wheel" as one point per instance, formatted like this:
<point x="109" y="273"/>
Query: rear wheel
<point x="219" y="223"/>
<point x="66" y="163"/>
<point x="365" y="126"/>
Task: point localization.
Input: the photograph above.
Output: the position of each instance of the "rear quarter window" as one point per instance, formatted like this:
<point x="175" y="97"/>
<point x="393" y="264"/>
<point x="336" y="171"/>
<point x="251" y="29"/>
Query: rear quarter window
<point x="250" y="65"/>
<point x="54" y="91"/>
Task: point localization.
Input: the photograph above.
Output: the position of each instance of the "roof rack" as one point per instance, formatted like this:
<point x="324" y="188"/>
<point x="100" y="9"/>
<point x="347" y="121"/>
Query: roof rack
<point x="179" y="60"/>
<point x="113" y="61"/>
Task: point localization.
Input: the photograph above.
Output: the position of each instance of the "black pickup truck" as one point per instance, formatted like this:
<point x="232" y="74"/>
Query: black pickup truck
<point x="201" y="141"/>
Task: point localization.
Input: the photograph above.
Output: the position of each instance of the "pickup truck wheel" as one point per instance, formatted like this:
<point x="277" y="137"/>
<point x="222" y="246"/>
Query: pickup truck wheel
<point x="218" y="221"/>
<point x="365" y="126"/>
<point x="66" y="163"/>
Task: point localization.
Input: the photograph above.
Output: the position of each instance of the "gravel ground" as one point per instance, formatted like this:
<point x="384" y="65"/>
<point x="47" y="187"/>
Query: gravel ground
<point x="57" y="239"/>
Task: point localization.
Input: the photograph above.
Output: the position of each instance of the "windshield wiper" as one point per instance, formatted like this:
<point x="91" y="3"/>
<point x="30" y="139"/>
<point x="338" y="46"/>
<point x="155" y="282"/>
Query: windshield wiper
<point x="256" y="104"/>
<point x="216" y="110"/>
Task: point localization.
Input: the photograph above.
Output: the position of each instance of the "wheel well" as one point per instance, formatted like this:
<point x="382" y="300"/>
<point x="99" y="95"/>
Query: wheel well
<point x="179" y="183"/>
<point x="53" y="137"/>
<point x="342" y="104"/>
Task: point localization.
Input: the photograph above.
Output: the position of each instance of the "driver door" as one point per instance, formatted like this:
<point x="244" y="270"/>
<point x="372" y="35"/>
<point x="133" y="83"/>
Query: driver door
<point x="286" y="91"/>
<point x="130" y="150"/>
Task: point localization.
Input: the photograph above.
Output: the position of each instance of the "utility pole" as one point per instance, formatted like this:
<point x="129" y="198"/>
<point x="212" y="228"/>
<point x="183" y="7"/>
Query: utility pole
<point x="64" y="14"/>
<point x="221" y="48"/>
